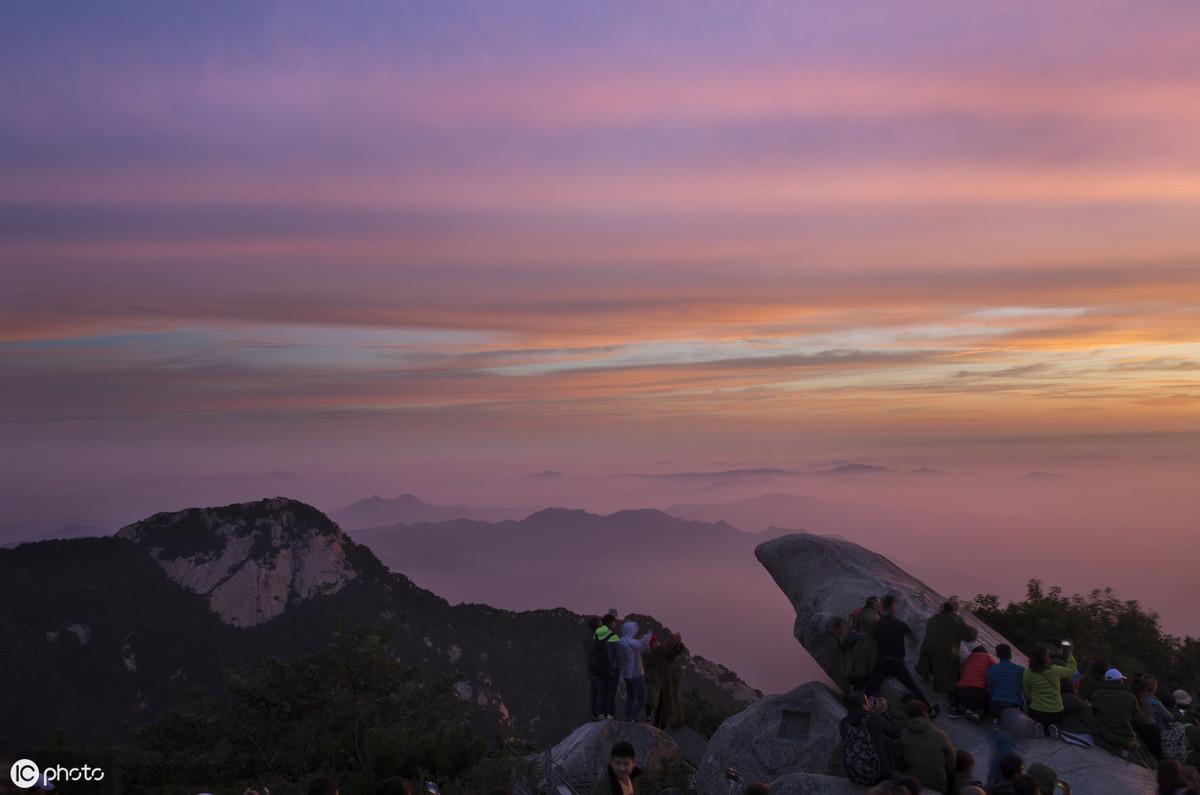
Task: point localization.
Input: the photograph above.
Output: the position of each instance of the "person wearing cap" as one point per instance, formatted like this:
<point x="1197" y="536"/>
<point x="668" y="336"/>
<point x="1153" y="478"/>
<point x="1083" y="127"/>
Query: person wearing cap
<point x="1117" y="712"/>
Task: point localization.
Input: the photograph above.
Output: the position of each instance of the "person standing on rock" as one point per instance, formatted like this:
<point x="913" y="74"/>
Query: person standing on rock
<point x="604" y="669"/>
<point x="862" y="654"/>
<point x="940" y="658"/>
<point x="633" y="670"/>
<point x="891" y="635"/>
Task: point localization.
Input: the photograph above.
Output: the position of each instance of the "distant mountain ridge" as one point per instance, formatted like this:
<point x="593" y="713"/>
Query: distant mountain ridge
<point x="105" y="634"/>
<point x="376" y="511"/>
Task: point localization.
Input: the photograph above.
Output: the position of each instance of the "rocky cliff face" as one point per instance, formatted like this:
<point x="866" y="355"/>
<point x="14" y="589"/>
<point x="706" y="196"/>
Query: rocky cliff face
<point x="791" y="740"/>
<point x="826" y="578"/>
<point x="251" y="560"/>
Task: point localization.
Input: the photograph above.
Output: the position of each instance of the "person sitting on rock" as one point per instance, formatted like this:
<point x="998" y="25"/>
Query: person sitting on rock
<point x="970" y="694"/>
<point x="1093" y="680"/>
<point x="891" y="635"/>
<point x="1048" y="779"/>
<point x="868" y="741"/>
<point x="1078" y="724"/>
<point x="926" y="753"/>
<point x="1042" y="683"/>
<point x="618" y="777"/>
<point x="941" y="650"/>
<point x="964" y="773"/>
<point x="1117" y="712"/>
<point x="1004" y="682"/>
<point x="1173" y="779"/>
<point x="1010" y="768"/>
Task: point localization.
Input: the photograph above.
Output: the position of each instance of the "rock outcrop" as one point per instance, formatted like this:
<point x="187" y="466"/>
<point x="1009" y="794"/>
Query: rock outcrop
<point x="826" y="578"/>
<point x="251" y="559"/>
<point x="792" y="741"/>
<point x="796" y="732"/>
<point x="583" y="754"/>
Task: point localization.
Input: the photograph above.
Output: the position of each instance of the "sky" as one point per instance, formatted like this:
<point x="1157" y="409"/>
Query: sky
<point x="334" y="249"/>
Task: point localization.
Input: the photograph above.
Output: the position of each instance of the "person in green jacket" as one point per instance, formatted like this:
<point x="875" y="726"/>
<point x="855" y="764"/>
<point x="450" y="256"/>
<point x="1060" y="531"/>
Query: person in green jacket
<point x="1117" y="712"/>
<point x="618" y="778"/>
<point x="1042" y="683"/>
<point x="926" y="753"/>
<point x="941" y="649"/>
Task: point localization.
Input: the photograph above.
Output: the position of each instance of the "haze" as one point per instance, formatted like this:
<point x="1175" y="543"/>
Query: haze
<point x="547" y="255"/>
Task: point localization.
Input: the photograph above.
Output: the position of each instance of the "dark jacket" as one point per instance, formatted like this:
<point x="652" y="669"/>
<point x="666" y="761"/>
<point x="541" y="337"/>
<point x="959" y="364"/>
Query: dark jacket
<point x="890" y="634"/>
<point x="1078" y="716"/>
<point x="927" y="754"/>
<point x="1117" y="712"/>
<point x="941" y="651"/>
<point x="607" y="784"/>
<point x="862" y="654"/>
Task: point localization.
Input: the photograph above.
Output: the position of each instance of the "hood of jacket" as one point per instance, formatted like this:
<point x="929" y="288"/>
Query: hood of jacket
<point x="603" y="632"/>
<point x="629" y="629"/>
<point x="919" y="725"/>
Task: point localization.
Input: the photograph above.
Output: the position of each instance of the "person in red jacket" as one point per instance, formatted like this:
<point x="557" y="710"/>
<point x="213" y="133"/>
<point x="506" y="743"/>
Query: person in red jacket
<point x="970" y="694"/>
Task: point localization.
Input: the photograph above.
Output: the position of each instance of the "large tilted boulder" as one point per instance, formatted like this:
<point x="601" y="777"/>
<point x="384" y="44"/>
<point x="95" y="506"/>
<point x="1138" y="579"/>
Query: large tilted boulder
<point x="584" y="753"/>
<point x="827" y="577"/>
<point x="795" y="732"/>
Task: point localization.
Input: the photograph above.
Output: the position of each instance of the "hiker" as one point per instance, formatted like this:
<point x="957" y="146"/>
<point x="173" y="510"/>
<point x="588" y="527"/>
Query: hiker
<point x="604" y="669"/>
<point x="970" y="693"/>
<point x="1093" y="680"/>
<point x="632" y="669"/>
<point x="664" y="682"/>
<point x="1047" y="778"/>
<point x="1078" y="724"/>
<point x="1010" y="768"/>
<point x="1004" y="682"/>
<point x="940" y="651"/>
<point x="1184" y="707"/>
<point x="890" y="636"/>
<point x="618" y="777"/>
<point x="1173" y="779"/>
<point x="964" y="773"/>
<point x="868" y="741"/>
<point x="1146" y="725"/>
<point x="926" y="753"/>
<point x="1043" y="691"/>
<point x="861" y="656"/>
<point x="1117" y="712"/>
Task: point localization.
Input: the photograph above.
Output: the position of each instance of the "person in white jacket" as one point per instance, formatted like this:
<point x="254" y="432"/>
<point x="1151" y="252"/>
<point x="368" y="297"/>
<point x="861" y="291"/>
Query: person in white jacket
<point x="632" y="670"/>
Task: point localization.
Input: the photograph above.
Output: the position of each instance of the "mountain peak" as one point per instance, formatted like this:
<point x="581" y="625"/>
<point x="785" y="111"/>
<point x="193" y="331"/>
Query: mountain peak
<point x="250" y="559"/>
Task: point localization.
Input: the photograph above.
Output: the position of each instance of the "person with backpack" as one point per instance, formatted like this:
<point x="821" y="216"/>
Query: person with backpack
<point x="868" y="742"/>
<point x="604" y="669"/>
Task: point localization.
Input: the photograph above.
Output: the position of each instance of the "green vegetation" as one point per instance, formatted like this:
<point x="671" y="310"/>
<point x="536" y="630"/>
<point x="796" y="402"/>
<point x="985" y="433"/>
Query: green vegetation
<point x="1100" y="625"/>
<point x="350" y="710"/>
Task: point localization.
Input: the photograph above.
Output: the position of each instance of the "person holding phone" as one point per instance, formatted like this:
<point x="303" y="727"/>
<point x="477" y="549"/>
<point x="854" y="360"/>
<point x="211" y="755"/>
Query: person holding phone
<point x="1042" y="683"/>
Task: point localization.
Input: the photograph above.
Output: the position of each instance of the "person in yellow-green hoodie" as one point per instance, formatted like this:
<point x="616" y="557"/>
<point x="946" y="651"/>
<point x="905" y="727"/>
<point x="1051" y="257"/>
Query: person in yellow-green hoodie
<point x="604" y="669"/>
<point x="1042" y="683"/>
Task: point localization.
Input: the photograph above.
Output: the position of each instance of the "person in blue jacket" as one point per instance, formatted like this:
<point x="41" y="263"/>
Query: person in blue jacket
<point x="1004" y="682"/>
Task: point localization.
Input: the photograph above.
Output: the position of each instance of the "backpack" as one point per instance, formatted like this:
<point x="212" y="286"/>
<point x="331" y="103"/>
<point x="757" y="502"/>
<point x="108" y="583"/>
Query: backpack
<point x="598" y="658"/>
<point x="859" y="754"/>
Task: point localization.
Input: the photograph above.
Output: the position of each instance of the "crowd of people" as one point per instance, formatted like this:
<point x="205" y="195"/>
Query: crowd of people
<point x="650" y="666"/>
<point x="1049" y="698"/>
